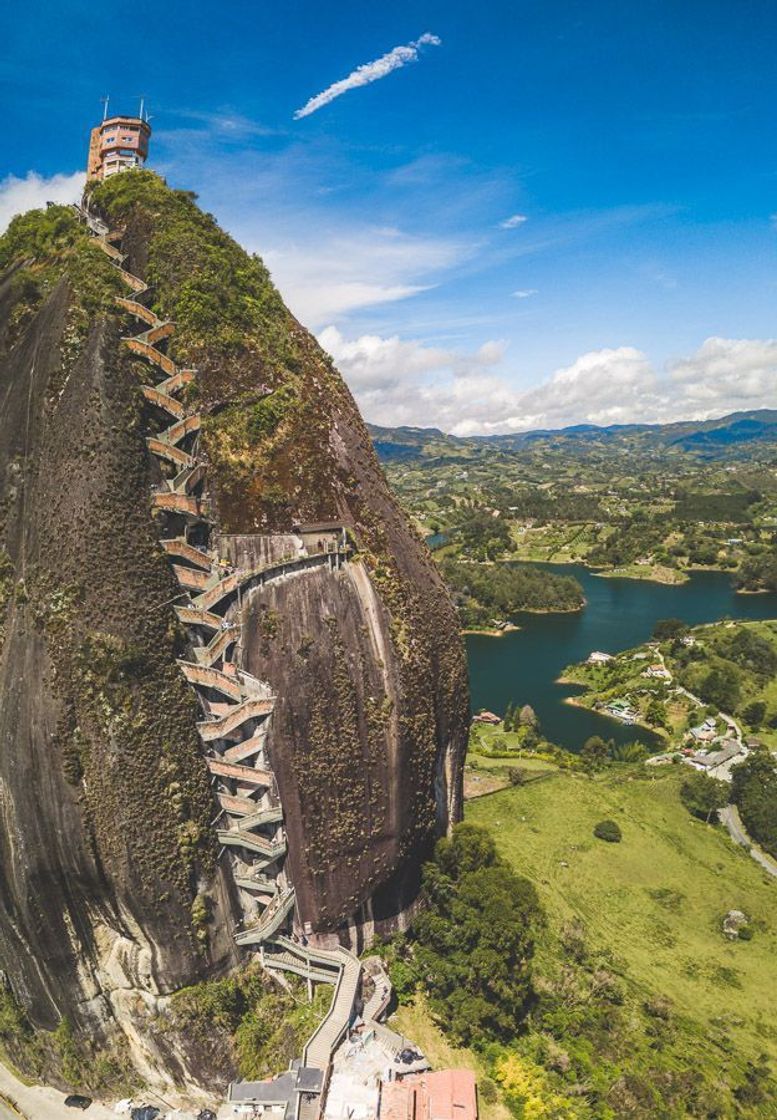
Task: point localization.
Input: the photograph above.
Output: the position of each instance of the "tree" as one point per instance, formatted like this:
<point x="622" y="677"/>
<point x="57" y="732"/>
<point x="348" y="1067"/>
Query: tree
<point x="527" y="715"/>
<point x="754" y="713"/>
<point x="518" y="775"/>
<point x="595" y="754"/>
<point x="656" y="713"/>
<point x="703" y="796"/>
<point x="667" y="628"/>
<point x="628" y="752"/>
<point x="721" y="687"/>
<point x="473" y="944"/>
<point x="754" y="792"/>
<point x="609" y="831"/>
<point x="531" y="738"/>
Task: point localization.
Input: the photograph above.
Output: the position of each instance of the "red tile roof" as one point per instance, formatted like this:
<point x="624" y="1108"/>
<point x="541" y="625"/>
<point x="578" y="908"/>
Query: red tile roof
<point x="449" y="1094"/>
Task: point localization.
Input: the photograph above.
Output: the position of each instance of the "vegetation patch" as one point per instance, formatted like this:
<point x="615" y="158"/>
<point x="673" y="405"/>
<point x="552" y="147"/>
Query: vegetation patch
<point x="244" y="1025"/>
<point x="487" y="594"/>
<point x="61" y="1055"/>
<point x="46" y="245"/>
<point x="754" y="792"/>
<point x="470" y="949"/>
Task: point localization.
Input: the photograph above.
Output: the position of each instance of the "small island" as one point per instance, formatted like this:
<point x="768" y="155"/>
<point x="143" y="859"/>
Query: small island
<point x="488" y="596"/>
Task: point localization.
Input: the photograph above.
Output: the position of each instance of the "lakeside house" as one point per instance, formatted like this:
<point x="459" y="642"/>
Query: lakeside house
<point x="622" y="710"/>
<point x="490" y="718"/>
<point x="598" y="657"/>
<point x="706" y="732"/>
<point x="729" y="748"/>
<point x="658" y="672"/>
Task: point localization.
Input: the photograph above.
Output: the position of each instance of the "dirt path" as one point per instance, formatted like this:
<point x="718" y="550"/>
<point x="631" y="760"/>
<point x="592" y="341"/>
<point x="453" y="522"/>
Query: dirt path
<point x="38" y="1102"/>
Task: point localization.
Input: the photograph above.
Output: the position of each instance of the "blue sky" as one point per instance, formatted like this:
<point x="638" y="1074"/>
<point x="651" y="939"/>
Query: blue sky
<point x="633" y="145"/>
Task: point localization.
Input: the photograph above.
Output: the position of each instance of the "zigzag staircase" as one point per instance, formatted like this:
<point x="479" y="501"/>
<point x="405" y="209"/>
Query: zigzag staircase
<point x="237" y="708"/>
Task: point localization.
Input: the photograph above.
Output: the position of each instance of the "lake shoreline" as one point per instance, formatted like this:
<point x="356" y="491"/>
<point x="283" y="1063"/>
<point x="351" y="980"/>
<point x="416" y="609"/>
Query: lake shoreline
<point x="668" y="577"/>
<point x="554" y="610"/>
<point x="511" y="627"/>
<point x="525" y="667"/>
<point x="491" y="632"/>
<point x="576" y="702"/>
<point x="678" y="576"/>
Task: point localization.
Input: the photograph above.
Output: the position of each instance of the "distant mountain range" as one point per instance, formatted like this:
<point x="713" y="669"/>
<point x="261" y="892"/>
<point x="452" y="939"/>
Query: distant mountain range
<point x="713" y="439"/>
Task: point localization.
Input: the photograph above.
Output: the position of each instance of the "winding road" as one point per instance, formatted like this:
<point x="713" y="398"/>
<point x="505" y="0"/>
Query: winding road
<point x="729" y="816"/>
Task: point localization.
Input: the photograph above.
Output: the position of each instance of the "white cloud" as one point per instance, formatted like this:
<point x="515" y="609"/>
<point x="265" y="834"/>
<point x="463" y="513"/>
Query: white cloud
<point x="373" y="363"/>
<point x="224" y="123"/>
<point x="334" y="274"/>
<point x="513" y="221"/>
<point x="731" y="373"/>
<point x="33" y="192"/>
<point x="608" y="386"/>
<point x="368" y="72"/>
<point x="524" y="293"/>
<point x="400" y="381"/>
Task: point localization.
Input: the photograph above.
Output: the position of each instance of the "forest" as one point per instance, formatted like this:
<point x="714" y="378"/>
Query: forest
<point x="485" y="594"/>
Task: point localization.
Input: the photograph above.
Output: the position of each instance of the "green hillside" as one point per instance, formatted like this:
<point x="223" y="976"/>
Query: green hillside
<point x="642" y="999"/>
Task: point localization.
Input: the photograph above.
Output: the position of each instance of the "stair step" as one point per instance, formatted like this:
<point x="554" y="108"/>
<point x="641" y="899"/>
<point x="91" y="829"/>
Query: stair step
<point x="246" y="775"/>
<point x="169" y="451"/>
<point x="246" y="749"/>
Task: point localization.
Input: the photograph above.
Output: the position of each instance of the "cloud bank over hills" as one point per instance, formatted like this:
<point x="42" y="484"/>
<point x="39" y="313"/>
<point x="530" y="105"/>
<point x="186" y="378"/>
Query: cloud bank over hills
<point x="406" y="382"/>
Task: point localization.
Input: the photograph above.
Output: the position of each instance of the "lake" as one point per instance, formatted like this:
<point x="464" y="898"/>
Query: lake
<point x="522" y="666"/>
<point x="436" y="540"/>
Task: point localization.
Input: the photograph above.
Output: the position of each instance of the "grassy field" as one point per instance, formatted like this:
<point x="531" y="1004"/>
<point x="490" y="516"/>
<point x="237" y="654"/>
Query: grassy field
<point x="484" y="775"/>
<point x="560" y="543"/>
<point x="655" y="900"/>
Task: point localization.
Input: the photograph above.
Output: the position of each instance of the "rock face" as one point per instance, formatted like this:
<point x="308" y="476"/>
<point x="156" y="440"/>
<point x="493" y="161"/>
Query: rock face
<point x="106" y="848"/>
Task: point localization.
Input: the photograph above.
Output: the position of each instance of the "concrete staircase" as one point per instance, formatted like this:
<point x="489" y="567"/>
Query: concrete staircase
<point x="271" y="920"/>
<point x="234" y="733"/>
<point x="332" y="1030"/>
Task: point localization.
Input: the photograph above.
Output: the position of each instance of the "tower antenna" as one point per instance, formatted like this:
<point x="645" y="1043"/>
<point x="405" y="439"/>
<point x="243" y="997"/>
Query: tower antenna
<point x="105" y="101"/>
<point x="142" y="105"/>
